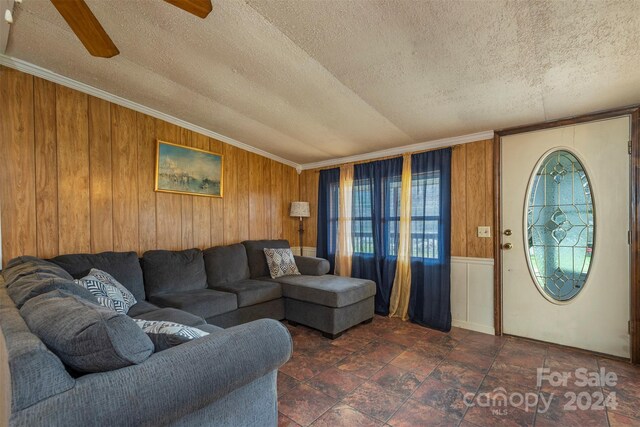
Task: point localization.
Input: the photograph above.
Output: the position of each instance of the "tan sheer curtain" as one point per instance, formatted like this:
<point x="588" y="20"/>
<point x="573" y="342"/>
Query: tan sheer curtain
<point x="399" y="304"/>
<point x="344" y="249"/>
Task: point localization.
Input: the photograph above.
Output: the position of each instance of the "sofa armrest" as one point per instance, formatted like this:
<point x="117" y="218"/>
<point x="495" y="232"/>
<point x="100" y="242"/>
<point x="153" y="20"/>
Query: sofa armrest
<point x="312" y="266"/>
<point x="171" y="383"/>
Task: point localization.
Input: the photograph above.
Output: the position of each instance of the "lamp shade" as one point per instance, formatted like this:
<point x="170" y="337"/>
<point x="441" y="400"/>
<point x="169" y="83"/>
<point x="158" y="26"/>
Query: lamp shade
<point x="299" y="209"/>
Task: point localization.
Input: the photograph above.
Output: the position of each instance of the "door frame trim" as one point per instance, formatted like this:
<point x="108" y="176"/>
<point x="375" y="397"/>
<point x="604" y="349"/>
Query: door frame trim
<point x="634" y="112"/>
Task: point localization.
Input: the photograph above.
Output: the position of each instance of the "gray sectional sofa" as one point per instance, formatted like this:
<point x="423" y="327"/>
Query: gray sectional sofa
<point x="225" y="378"/>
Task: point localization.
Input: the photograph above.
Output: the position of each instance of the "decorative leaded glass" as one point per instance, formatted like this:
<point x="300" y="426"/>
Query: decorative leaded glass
<point x="560" y="226"/>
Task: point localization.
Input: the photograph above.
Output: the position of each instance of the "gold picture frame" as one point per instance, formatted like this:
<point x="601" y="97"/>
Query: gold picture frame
<point x="186" y="170"/>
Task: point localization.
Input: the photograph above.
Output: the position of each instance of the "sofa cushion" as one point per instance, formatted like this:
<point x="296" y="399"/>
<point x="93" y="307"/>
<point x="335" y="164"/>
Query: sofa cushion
<point x="26" y="288"/>
<point x="141" y="307"/>
<point x="123" y="266"/>
<point x="226" y="264"/>
<point x="27" y="277"/>
<point x="251" y="292"/>
<point x="28" y="266"/>
<point x="327" y="290"/>
<point x="173" y="271"/>
<point x="172" y="315"/>
<point x="85" y="336"/>
<point x="201" y="302"/>
<point x="255" y="254"/>
<point x="165" y="335"/>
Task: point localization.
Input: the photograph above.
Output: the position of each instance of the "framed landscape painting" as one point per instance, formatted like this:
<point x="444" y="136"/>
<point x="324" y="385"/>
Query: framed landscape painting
<point x="187" y="170"/>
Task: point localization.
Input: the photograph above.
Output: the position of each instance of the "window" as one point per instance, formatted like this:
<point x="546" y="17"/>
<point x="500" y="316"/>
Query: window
<point x="560" y="226"/>
<point x="362" y="218"/>
<point x="362" y="221"/>
<point x="375" y="229"/>
<point x="425" y="214"/>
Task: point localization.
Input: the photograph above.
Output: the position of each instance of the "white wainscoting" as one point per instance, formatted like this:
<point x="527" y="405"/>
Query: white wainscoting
<point x="471" y="291"/>
<point x="472" y="294"/>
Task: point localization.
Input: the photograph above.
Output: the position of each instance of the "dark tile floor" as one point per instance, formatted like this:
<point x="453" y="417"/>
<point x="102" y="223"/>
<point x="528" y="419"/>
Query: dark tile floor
<point x="396" y="373"/>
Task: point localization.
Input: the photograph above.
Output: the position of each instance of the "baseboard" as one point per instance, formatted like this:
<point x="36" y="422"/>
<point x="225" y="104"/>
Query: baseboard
<point x="473" y="327"/>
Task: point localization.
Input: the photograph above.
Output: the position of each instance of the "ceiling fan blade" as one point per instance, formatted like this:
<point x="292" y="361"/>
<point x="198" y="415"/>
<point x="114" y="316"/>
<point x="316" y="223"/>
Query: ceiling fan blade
<point x="85" y="25"/>
<point x="200" y="8"/>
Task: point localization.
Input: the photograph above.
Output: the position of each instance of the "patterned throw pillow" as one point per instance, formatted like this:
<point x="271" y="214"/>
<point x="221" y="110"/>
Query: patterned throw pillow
<point x="103" y="287"/>
<point x="165" y="335"/>
<point x="105" y="277"/>
<point x="281" y="262"/>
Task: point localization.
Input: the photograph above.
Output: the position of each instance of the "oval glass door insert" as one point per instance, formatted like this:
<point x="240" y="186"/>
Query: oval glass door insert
<point x="560" y="226"/>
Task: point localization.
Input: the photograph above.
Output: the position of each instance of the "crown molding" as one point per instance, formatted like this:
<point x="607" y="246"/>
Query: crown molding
<point x="51" y="76"/>
<point x="412" y="148"/>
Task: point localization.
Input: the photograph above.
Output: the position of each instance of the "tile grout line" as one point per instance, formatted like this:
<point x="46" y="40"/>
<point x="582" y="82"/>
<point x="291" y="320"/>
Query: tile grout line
<point x="495" y="356"/>
<point x="427" y="378"/>
<point x="306" y="382"/>
<point x="405" y="348"/>
<point x="422" y="382"/>
<point x="606" y="408"/>
<point x="539" y="387"/>
<point x="384" y="334"/>
<point x="444" y="353"/>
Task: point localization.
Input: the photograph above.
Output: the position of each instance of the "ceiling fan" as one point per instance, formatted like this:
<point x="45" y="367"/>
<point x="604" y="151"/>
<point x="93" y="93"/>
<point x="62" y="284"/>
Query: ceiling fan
<point x="94" y="38"/>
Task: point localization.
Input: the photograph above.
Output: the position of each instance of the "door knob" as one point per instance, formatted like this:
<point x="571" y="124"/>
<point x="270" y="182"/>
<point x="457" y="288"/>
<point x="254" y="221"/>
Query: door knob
<point x="507" y="246"/>
<point x="507" y="232"/>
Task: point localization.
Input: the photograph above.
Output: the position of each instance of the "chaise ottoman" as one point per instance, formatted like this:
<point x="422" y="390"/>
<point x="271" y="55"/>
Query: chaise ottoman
<point x="331" y="304"/>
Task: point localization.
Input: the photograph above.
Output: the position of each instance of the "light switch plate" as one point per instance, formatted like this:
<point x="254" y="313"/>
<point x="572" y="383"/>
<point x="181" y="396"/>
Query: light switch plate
<point x="484" y="231"/>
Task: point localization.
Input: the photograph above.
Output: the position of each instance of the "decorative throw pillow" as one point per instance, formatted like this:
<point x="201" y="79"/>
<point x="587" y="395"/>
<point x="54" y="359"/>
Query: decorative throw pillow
<point x="281" y="262"/>
<point x="165" y="335"/>
<point x="105" y="277"/>
<point x="107" y="294"/>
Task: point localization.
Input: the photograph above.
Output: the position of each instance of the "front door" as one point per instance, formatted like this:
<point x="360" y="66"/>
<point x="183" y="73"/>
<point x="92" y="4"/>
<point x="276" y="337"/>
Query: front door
<point x="565" y="222"/>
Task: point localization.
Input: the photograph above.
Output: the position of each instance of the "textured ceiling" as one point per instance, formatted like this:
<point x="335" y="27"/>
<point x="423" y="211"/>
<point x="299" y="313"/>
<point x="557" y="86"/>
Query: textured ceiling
<point x="315" y="80"/>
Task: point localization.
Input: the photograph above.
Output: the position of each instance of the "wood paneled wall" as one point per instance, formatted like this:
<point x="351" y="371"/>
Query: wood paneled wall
<point x="77" y="175"/>
<point x="471" y="199"/>
<point x="309" y="193"/>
